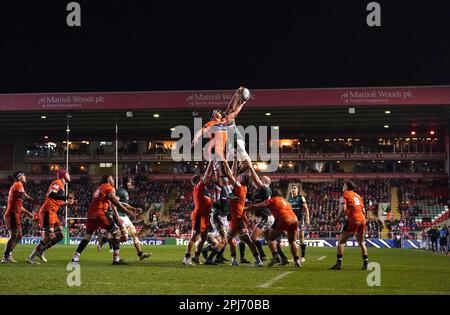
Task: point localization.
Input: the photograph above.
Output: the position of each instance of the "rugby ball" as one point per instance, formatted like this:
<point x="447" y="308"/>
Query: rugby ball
<point x="245" y="95"/>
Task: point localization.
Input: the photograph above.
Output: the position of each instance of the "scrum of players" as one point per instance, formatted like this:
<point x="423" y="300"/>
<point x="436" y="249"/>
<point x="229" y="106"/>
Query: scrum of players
<point x="222" y="205"/>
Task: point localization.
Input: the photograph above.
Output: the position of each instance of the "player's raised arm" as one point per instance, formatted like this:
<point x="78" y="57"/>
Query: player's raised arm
<point x="208" y="173"/>
<point x="198" y="135"/>
<point x="255" y="178"/>
<point x="236" y="105"/>
<point x="229" y="173"/>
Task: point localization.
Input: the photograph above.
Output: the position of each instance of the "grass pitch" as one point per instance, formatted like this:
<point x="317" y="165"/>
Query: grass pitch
<point x="403" y="271"/>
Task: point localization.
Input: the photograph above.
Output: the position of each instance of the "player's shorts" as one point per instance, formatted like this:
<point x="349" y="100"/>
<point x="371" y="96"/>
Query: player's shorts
<point x="237" y="226"/>
<point x="199" y="223"/>
<point x="217" y="147"/>
<point x="219" y="224"/>
<point x="49" y="220"/>
<point x="265" y="223"/>
<point x="126" y="222"/>
<point x="101" y="220"/>
<point x="12" y="221"/>
<point x="355" y="227"/>
<point x="286" y="225"/>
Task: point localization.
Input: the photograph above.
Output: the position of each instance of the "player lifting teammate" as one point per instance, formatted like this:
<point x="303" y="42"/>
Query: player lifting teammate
<point x="299" y="204"/>
<point x="238" y="224"/>
<point x="264" y="218"/>
<point x="48" y="215"/>
<point x="12" y="216"/>
<point x="285" y="222"/>
<point x="200" y="215"/>
<point x="99" y="218"/>
<point x="218" y="219"/>
<point x="351" y="205"/>
<point x="127" y="228"/>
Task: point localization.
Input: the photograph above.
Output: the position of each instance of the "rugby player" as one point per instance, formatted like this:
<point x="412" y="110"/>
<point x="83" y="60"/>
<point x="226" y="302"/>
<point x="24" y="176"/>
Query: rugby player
<point x="200" y="215"/>
<point x="99" y="218"/>
<point x="285" y="222"/>
<point x="14" y="210"/>
<point x="239" y="221"/>
<point x="48" y="215"/>
<point x="218" y="128"/>
<point x="127" y="227"/>
<point x="264" y="218"/>
<point x="351" y="205"/>
<point x="218" y="220"/>
<point x="298" y="203"/>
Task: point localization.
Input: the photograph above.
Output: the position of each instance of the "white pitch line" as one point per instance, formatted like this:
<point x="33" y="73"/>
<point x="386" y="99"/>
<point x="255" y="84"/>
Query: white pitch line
<point x="272" y="281"/>
<point x="321" y="258"/>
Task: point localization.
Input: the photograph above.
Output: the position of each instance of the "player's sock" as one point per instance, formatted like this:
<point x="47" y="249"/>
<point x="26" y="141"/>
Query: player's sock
<point x="80" y="248"/>
<point x="38" y="250"/>
<point x="257" y="258"/>
<point x="280" y="252"/>
<point x="51" y="243"/>
<point x="197" y="253"/>
<point x="220" y="254"/>
<point x="7" y="253"/>
<point x="303" y="249"/>
<point x="187" y="255"/>
<point x="339" y="259"/>
<point x="259" y="248"/>
<point x="365" y="260"/>
<point x="116" y="247"/>
<point x="242" y="249"/>
<point x="214" y="252"/>
<point x="140" y="253"/>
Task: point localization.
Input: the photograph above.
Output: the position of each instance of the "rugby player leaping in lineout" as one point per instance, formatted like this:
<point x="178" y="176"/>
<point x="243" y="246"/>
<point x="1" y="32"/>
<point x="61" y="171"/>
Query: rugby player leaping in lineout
<point x="219" y="127"/>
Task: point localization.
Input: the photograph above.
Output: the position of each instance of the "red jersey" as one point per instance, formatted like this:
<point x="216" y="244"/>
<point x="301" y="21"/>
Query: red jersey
<point x="237" y="206"/>
<point x="202" y="201"/>
<point x="100" y="199"/>
<point x="280" y="208"/>
<point x="15" y="201"/>
<point x="51" y="204"/>
<point x="354" y="205"/>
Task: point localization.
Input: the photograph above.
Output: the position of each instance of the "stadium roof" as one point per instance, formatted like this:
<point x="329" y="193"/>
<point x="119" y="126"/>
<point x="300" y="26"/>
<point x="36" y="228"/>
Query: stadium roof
<point x="317" y="120"/>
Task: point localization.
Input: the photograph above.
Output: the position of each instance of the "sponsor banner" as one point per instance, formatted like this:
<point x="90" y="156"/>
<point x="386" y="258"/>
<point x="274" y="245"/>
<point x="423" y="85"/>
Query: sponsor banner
<point x="283" y="156"/>
<point x="77" y="240"/>
<point x="3" y="240"/>
<point x="375" y="243"/>
<point x="213" y="99"/>
<point x="6" y="157"/>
